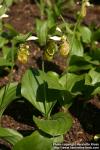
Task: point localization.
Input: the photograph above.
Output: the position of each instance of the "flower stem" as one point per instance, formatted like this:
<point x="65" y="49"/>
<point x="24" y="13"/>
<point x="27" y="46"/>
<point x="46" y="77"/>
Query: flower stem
<point x="44" y="89"/>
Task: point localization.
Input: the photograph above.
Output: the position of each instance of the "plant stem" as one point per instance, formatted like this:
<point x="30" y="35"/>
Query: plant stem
<point x="44" y="90"/>
<point x="72" y="41"/>
<point x="74" y="32"/>
<point x="67" y="29"/>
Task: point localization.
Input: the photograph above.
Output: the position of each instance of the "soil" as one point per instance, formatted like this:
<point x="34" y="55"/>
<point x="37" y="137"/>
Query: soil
<point x="86" y="122"/>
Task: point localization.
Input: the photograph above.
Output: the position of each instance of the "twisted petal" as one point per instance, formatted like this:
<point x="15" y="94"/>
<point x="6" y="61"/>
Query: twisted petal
<point x="32" y="38"/>
<point x="4" y="16"/>
<point x="55" y="38"/>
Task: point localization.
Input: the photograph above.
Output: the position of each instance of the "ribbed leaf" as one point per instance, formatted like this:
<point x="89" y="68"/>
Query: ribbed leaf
<point x="96" y="91"/>
<point x="2" y="10"/>
<point x="77" y="48"/>
<point x="7" y="95"/>
<point x="42" y="29"/>
<point x="86" y="34"/>
<point x="52" y="79"/>
<point x="3" y="41"/>
<point x="92" y="77"/>
<point x="30" y="85"/>
<point x="10" y="135"/>
<point x="20" y="38"/>
<point x="5" y="62"/>
<point x="59" y="124"/>
<point x="35" y="88"/>
<point x="69" y="81"/>
<point x="8" y="3"/>
<point x="35" y="141"/>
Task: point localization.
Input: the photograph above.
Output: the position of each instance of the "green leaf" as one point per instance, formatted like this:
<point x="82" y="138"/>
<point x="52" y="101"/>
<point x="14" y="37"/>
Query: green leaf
<point x="96" y="91"/>
<point x="59" y="124"/>
<point x="1" y="1"/>
<point x="77" y="48"/>
<point x="92" y="77"/>
<point x="8" y="3"/>
<point x="35" y="141"/>
<point x="11" y="31"/>
<point x="86" y="62"/>
<point x="51" y="19"/>
<point x="7" y="95"/>
<point x="76" y="68"/>
<point x="5" y="62"/>
<point x="58" y="139"/>
<point x="52" y="78"/>
<point x="42" y="30"/>
<point x="10" y="135"/>
<point x="2" y="10"/>
<point x="71" y="89"/>
<point x="95" y="54"/>
<point x="5" y="50"/>
<point x="33" y="86"/>
<point x="86" y="34"/>
<point x="3" y="41"/>
<point x="70" y="80"/>
<point x="21" y="38"/>
<point x="96" y="35"/>
<point x="29" y="89"/>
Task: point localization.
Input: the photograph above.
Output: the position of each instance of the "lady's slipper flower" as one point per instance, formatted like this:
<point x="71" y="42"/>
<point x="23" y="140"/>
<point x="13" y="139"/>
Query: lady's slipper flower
<point x="23" y="53"/>
<point x="85" y="4"/>
<point x="64" y="47"/>
<point x="50" y="51"/>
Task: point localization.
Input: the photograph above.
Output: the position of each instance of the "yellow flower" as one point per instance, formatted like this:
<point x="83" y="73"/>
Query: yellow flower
<point x="47" y="56"/>
<point x="64" y="47"/>
<point x="84" y="9"/>
<point x="23" y="53"/>
<point x="50" y="51"/>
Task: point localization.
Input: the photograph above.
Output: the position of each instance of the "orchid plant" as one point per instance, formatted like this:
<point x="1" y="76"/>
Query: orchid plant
<point x="46" y="89"/>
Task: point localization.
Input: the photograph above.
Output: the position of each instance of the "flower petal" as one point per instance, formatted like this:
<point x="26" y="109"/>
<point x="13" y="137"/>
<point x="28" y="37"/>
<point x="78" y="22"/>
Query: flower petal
<point x="32" y="38"/>
<point x="55" y="38"/>
<point x="58" y="29"/>
<point x="4" y="16"/>
<point x="0" y="6"/>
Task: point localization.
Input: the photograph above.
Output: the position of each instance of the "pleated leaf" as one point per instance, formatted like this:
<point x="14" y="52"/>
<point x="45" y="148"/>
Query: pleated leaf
<point x="59" y="124"/>
<point x="33" y="84"/>
<point x="35" y="141"/>
<point x="7" y="95"/>
<point x="77" y="48"/>
<point x="92" y="77"/>
<point x="5" y="62"/>
<point x="10" y="135"/>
